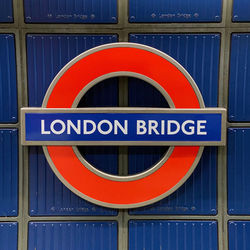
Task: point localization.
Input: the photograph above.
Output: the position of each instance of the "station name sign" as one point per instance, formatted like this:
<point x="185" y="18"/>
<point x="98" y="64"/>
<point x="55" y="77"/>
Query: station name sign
<point x="123" y="126"/>
<point x="186" y="126"/>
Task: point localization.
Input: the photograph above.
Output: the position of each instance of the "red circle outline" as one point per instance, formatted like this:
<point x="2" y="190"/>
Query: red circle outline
<point x="170" y="78"/>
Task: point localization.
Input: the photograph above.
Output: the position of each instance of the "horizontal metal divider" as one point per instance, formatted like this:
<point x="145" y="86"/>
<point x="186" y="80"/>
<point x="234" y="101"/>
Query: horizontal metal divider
<point x="9" y="125"/>
<point x="116" y="30"/>
<point x="128" y="217"/>
<point x="238" y="124"/>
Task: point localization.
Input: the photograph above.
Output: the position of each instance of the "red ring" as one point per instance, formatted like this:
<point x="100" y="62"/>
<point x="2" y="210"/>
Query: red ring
<point x="106" y="191"/>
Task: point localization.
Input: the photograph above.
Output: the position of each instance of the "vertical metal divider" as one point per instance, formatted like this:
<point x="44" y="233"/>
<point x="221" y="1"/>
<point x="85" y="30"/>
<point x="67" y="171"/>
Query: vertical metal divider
<point x="123" y="167"/>
<point x="16" y="4"/>
<point x="229" y="13"/>
<point x="20" y="20"/>
<point x="122" y="13"/>
<point x="22" y="101"/>
<point x="25" y="163"/>
<point x="224" y="13"/>
<point x="123" y="102"/>
<point x="222" y="152"/>
<point x="20" y="148"/>
<point x="123" y="154"/>
<point x="220" y="159"/>
<point x="220" y="156"/>
<point x="222" y="199"/>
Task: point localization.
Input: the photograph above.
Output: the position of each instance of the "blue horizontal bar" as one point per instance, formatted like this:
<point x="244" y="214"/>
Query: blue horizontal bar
<point x="158" y="127"/>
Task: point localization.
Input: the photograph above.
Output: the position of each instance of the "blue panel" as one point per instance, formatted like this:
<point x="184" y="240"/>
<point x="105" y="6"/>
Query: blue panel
<point x="8" y="172"/>
<point x="239" y="88"/>
<point x="196" y="196"/>
<point x="47" y="54"/>
<point x="72" y="235"/>
<point x="238" y="171"/>
<point x="197" y="53"/>
<point x="241" y="11"/>
<point x="6" y="11"/>
<point x="161" y="11"/>
<point x="104" y="94"/>
<point x="8" y="83"/>
<point x="48" y="196"/>
<point x="142" y="158"/>
<point x="104" y="158"/>
<point x="141" y="94"/>
<point x="134" y="127"/>
<point x="238" y="235"/>
<point x="64" y="11"/>
<point x="8" y="235"/>
<point x="170" y="235"/>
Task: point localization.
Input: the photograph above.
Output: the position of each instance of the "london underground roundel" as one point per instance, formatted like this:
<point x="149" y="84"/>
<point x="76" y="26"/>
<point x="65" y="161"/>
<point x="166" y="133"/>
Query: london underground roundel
<point x="187" y="126"/>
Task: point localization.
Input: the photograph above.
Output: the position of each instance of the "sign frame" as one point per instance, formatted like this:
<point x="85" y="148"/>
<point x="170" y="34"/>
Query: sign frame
<point x="221" y="111"/>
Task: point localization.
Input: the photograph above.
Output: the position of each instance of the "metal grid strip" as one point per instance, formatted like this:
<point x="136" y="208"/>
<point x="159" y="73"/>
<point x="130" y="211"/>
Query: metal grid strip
<point x="123" y="157"/>
<point x="123" y="28"/>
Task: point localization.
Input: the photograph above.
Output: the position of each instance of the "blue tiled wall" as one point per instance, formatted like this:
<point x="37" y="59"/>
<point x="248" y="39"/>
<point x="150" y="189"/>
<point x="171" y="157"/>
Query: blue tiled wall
<point x="48" y="196"/>
<point x="8" y="84"/>
<point x="241" y="11"/>
<point x="169" y="235"/>
<point x="197" y="53"/>
<point x="37" y="28"/>
<point x="160" y="11"/>
<point x="6" y="11"/>
<point x="8" y="235"/>
<point x="238" y="235"/>
<point x="9" y="172"/>
<point x="63" y="11"/>
<point x="72" y="235"/>
<point x="239" y="88"/>
<point x="198" y="195"/>
<point x="47" y="54"/>
<point x="238" y="159"/>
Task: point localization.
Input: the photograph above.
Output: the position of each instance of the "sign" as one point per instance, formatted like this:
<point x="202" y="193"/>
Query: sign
<point x="125" y="127"/>
<point x="59" y="126"/>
